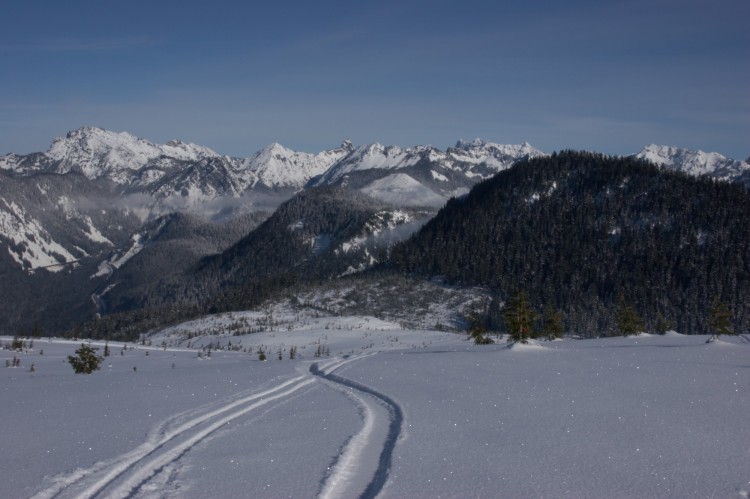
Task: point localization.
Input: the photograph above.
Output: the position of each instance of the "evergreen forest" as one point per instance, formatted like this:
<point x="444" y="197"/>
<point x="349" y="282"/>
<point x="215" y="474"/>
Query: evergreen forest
<point x="583" y="232"/>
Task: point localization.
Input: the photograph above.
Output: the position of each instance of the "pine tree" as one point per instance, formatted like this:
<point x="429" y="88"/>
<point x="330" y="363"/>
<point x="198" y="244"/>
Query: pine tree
<point x="85" y="361"/>
<point x="16" y="344"/>
<point x="719" y="320"/>
<point x="106" y="349"/>
<point x="477" y="331"/>
<point x="662" y="324"/>
<point x="628" y="320"/>
<point x="553" y="323"/>
<point x="261" y="355"/>
<point x="519" y="318"/>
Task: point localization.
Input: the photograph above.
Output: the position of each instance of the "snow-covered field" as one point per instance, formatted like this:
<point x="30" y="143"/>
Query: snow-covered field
<point x="381" y="411"/>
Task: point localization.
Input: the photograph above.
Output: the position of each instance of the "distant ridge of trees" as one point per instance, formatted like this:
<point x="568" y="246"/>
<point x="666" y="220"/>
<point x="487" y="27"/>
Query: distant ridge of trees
<point x="578" y="230"/>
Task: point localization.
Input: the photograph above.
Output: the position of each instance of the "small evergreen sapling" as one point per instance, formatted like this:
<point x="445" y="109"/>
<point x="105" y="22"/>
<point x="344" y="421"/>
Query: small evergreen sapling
<point x="628" y="320"/>
<point x="477" y="331"/>
<point x="719" y="320"/>
<point x="662" y="325"/>
<point x="85" y="361"/>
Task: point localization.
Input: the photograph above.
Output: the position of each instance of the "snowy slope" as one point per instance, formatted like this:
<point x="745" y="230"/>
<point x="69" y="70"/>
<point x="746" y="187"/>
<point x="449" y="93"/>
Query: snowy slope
<point x="369" y="408"/>
<point x="465" y="158"/>
<point x="400" y="189"/>
<point x="31" y="246"/>
<point x="276" y="166"/>
<point x="374" y="156"/>
<point x="96" y="153"/>
<point x="497" y="156"/>
<point x="697" y="162"/>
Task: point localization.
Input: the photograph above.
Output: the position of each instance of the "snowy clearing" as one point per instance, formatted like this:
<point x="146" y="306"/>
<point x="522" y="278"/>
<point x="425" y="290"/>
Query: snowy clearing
<point x="367" y="409"/>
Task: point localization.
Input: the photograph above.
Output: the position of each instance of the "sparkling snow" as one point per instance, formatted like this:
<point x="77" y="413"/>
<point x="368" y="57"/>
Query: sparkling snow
<point x="646" y="416"/>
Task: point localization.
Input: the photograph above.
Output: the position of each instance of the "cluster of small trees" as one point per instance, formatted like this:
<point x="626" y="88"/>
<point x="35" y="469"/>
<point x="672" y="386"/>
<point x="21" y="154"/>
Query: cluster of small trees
<point x="18" y="344"/>
<point x="293" y="353"/>
<point x="16" y="362"/>
<point x="522" y="322"/>
<point x="629" y="322"/>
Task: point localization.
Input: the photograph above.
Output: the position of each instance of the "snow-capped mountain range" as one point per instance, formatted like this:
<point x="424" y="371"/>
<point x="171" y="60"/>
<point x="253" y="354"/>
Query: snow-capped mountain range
<point x="200" y="174"/>
<point x="83" y="196"/>
<point x="163" y="169"/>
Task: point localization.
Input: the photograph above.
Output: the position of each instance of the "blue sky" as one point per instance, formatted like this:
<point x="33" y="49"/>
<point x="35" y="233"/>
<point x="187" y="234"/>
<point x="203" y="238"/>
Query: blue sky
<point x="607" y="76"/>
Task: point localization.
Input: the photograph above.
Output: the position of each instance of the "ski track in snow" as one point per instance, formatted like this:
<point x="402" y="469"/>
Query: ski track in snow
<point x="346" y="476"/>
<point x="124" y="475"/>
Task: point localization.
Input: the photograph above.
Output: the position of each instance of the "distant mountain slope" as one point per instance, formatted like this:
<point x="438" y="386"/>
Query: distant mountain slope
<point x="697" y="163"/>
<point x="578" y="230"/>
<point x="161" y="258"/>
<point x="423" y="175"/>
<point x="321" y="233"/>
<point x="48" y="220"/>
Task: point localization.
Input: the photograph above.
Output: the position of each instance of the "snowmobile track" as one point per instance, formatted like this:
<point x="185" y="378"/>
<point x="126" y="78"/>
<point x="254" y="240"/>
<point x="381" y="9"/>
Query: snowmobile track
<point x="396" y="418"/>
<point x="123" y="475"/>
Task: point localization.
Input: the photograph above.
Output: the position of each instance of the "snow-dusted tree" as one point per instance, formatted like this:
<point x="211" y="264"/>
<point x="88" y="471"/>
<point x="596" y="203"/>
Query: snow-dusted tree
<point x="261" y="354"/>
<point x="719" y="320"/>
<point x="519" y="318"/>
<point x="85" y="361"/>
<point x="628" y="320"/>
<point x="106" y="349"/>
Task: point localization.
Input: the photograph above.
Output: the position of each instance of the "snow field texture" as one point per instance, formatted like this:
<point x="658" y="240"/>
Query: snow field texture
<point x="645" y="416"/>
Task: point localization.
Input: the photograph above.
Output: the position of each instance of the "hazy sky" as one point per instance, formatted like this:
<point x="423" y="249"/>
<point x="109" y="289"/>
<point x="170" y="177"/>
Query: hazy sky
<point x="610" y="76"/>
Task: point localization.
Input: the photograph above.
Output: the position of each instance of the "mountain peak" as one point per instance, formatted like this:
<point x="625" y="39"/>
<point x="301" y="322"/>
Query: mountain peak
<point x="695" y="162"/>
<point x="96" y="152"/>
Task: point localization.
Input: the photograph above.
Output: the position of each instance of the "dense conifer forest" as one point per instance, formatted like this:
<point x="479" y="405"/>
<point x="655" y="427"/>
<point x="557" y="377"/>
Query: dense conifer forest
<point x="584" y="232"/>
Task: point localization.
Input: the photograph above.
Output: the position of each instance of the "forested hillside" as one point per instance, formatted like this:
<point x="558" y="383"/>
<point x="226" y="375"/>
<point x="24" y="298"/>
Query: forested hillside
<point x="584" y="232"/>
<point x="321" y="233"/>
